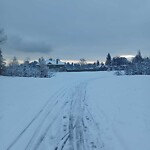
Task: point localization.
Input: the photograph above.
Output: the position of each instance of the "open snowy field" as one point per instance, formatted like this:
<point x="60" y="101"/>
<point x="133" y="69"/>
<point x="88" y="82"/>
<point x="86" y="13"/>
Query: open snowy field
<point x="75" y="111"/>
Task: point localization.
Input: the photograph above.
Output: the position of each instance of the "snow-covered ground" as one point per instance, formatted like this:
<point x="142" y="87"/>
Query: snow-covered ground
<point x="75" y="111"/>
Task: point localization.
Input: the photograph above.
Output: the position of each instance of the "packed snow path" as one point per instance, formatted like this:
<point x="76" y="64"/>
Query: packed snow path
<point x="64" y="123"/>
<point x="75" y="111"/>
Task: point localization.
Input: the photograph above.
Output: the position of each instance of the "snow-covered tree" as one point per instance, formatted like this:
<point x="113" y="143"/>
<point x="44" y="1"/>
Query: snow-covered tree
<point x="26" y="69"/>
<point x="43" y="69"/>
<point x="30" y="69"/>
<point x="138" y="66"/>
<point x="146" y="66"/>
<point x="13" y="68"/>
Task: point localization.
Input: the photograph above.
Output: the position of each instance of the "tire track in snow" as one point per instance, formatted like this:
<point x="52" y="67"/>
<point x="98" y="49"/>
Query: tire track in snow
<point x="33" y="120"/>
<point x="79" y="137"/>
<point x="78" y="133"/>
<point x="38" y="138"/>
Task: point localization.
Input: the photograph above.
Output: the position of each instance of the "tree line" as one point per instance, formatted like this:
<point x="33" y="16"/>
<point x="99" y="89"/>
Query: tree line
<point x="26" y="69"/>
<point x="136" y="66"/>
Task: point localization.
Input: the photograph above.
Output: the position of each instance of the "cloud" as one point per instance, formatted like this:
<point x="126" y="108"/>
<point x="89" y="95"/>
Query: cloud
<point x="16" y="43"/>
<point x="87" y="28"/>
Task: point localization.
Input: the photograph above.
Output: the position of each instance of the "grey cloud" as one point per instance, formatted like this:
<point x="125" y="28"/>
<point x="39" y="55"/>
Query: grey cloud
<point x="17" y="43"/>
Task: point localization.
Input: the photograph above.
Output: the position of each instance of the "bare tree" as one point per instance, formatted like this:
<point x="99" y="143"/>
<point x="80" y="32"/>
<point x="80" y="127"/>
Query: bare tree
<point x="82" y="62"/>
<point x="3" y="37"/>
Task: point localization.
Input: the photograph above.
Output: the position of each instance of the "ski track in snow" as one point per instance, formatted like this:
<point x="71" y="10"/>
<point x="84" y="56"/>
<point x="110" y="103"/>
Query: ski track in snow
<point x="80" y="115"/>
<point x="64" y="123"/>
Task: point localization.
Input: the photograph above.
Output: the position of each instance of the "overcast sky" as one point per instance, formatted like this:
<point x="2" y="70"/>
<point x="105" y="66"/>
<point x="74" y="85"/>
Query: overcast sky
<point x="74" y="29"/>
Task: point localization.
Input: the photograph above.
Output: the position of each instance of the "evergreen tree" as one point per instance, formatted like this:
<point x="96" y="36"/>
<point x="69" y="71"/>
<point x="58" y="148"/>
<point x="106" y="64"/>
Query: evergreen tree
<point x="2" y="63"/>
<point x="2" y="39"/>
<point x="119" y="62"/>
<point x="138" y="58"/>
<point x="97" y="63"/>
<point x="137" y="64"/>
<point x="108" y="60"/>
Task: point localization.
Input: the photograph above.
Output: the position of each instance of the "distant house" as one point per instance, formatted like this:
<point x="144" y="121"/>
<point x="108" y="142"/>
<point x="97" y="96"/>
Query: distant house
<point x="55" y="64"/>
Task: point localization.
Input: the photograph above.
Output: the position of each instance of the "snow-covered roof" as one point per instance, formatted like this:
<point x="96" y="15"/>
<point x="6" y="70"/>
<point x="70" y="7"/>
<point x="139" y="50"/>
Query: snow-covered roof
<point x="54" y="62"/>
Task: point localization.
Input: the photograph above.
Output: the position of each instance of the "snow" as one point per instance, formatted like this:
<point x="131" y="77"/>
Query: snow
<point x="124" y="110"/>
<point x="81" y="111"/>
